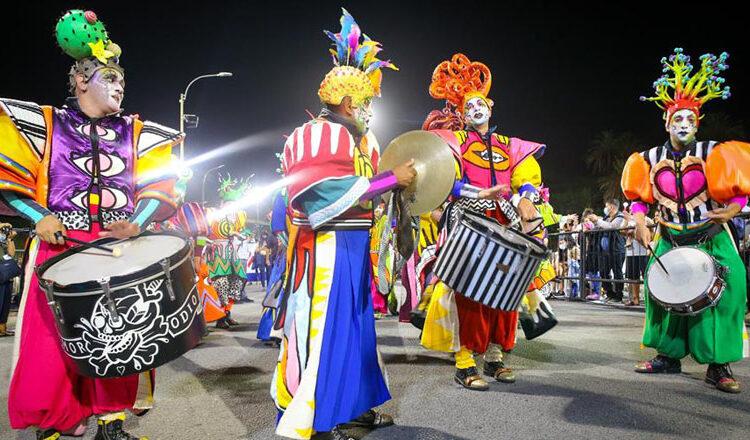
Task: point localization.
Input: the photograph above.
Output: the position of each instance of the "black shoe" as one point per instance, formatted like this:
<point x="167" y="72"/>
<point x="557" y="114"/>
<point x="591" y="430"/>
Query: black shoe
<point x="499" y="371"/>
<point x="113" y="431"/>
<point x="229" y="319"/>
<point x="659" y="364"/>
<point x="222" y="324"/>
<point x="372" y="420"/>
<point x="334" y="434"/>
<point x="721" y="377"/>
<point x="48" y="434"/>
<point x="470" y="379"/>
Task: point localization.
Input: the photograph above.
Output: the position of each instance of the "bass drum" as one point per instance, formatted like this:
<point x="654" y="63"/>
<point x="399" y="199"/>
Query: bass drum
<point x="118" y="316"/>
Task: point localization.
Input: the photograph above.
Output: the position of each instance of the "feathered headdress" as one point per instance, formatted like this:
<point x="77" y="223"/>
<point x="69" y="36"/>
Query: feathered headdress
<point x="689" y="91"/>
<point x="82" y="36"/>
<point x="357" y="72"/>
<point x="459" y="79"/>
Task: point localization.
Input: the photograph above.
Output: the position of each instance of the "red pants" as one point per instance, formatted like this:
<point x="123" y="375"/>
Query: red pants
<point x="480" y="325"/>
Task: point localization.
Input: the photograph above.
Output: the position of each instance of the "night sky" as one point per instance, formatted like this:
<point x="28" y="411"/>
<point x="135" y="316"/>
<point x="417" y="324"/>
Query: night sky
<point x="561" y="73"/>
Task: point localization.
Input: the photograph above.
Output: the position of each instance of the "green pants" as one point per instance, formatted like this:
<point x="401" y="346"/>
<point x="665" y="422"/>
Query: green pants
<point x="713" y="336"/>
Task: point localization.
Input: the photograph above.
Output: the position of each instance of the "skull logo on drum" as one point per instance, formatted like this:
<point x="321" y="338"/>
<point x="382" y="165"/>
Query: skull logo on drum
<point x="130" y="334"/>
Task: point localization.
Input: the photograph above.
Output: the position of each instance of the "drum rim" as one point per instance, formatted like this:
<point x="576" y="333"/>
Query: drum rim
<point x="92" y="287"/>
<point x="535" y="248"/>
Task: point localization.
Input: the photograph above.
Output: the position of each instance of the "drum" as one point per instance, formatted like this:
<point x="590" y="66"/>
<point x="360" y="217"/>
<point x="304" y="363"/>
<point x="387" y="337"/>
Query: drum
<point x="694" y="283"/>
<point x="487" y="262"/>
<point x="118" y="316"/>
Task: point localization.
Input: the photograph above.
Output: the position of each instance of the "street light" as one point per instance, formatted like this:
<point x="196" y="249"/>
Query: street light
<point x="183" y="97"/>
<point x="203" y="186"/>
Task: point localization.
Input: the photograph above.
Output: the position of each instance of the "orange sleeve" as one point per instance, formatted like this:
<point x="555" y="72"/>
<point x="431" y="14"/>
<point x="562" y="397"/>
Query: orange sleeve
<point x="728" y="171"/>
<point x="636" y="179"/>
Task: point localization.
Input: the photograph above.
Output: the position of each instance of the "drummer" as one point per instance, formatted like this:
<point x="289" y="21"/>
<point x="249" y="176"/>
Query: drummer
<point x="491" y="165"/>
<point x="698" y="186"/>
<point x="83" y="171"/>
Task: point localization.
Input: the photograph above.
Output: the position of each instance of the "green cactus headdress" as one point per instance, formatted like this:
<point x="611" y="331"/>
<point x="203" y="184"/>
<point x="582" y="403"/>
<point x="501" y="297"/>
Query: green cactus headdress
<point x="84" y="38"/>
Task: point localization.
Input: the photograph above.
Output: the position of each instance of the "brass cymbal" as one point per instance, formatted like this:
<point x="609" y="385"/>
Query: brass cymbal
<point x="435" y="165"/>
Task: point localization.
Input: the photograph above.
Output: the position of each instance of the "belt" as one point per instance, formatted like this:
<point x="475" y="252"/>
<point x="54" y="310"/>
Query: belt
<point x="692" y="238"/>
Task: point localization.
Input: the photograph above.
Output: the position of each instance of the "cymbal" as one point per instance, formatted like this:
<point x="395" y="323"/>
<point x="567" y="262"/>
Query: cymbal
<point x="435" y="165"/>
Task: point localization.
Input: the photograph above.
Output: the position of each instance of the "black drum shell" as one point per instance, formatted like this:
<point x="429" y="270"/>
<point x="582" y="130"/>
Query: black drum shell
<point x="177" y="325"/>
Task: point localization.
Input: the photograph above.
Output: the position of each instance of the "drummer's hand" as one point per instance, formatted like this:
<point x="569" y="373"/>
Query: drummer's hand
<point x="643" y="234"/>
<point x="405" y="173"/>
<point x="494" y="193"/>
<point x="47" y="227"/>
<point x="121" y="229"/>
<point x="723" y="215"/>
<point x="527" y="210"/>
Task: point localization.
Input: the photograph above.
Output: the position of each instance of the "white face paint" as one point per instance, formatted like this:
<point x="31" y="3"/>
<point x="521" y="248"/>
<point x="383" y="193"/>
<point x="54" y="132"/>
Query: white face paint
<point x="363" y="116"/>
<point x="682" y="127"/>
<point x="477" y="112"/>
<point x="107" y="90"/>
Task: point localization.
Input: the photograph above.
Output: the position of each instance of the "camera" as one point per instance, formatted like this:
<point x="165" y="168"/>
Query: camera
<point x="4" y="234"/>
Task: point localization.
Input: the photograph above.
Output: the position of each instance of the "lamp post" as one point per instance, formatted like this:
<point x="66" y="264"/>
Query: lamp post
<point x="203" y="186"/>
<point x="183" y="98"/>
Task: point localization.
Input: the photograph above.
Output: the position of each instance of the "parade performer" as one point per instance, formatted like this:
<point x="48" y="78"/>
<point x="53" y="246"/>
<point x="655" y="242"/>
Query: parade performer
<point x="490" y="162"/>
<point x="697" y="187"/>
<point x="329" y="371"/>
<point x="275" y="287"/>
<point x="82" y="171"/>
<point x="225" y="270"/>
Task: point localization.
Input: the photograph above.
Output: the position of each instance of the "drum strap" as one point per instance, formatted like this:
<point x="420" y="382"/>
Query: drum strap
<point x="697" y="237"/>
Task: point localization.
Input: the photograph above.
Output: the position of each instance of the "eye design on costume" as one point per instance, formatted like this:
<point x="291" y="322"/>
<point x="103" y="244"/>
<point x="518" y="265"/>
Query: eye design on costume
<point x="105" y="134"/>
<point x="113" y="198"/>
<point x="110" y="165"/>
<point x="81" y="199"/>
<point x="477" y="155"/>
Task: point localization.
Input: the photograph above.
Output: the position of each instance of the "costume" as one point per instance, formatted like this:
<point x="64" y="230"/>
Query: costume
<point x="486" y="159"/>
<point x="225" y="269"/>
<point x="275" y="287"/>
<point x="684" y="184"/>
<point x="328" y="371"/>
<point x="88" y="173"/>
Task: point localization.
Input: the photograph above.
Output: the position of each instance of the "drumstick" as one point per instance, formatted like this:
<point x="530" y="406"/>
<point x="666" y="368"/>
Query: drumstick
<point x="653" y="254"/>
<point x="116" y="251"/>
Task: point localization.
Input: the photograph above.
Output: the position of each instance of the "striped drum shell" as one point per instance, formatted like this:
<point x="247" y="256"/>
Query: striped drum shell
<point x="487" y="262"/>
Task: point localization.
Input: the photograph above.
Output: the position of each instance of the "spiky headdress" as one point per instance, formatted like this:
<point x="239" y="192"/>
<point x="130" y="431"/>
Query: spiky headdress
<point x="83" y="37"/>
<point x="459" y="79"/>
<point x="231" y="189"/>
<point x="357" y="73"/>
<point x="689" y="91"/>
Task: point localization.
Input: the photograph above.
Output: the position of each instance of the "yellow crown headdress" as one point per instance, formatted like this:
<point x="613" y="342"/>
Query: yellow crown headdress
<point x="689" y="91"/>
<point x="357" y="73"/>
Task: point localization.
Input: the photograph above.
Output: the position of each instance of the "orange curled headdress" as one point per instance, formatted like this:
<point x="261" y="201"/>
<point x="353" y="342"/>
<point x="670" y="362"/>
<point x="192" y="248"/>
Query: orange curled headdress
<point x="459" y="79"/>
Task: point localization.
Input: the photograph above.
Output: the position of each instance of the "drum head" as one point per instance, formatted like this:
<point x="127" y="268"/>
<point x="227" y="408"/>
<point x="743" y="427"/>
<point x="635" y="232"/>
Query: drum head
<point x="508" y="235"/>
<point x="93" y="264"/>
<point x="691" y="273"/>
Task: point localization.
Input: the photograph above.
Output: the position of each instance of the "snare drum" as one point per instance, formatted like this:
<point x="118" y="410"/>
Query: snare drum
<point x="487" y="262"/>
<point x="694" y="283"/>
<point x="118" y="316"/>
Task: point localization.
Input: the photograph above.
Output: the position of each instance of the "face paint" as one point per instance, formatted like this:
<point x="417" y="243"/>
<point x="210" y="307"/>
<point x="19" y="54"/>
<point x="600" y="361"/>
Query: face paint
<point x="107" y="89"/>
<point x="477" y="112"/>
<point x="363" y="116"/>
<point x="682" y="127"/>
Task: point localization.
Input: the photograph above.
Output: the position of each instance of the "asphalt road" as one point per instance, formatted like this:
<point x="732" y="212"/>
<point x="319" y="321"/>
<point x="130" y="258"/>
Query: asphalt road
<point x="576" y="382"/>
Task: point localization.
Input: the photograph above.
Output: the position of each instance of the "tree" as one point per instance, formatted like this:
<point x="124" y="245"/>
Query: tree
<point x="721" y="127"/>
<point x="606" y="159"/>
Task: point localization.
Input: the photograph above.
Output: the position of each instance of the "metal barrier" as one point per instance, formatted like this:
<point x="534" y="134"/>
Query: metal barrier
<point x="602" y="261"/>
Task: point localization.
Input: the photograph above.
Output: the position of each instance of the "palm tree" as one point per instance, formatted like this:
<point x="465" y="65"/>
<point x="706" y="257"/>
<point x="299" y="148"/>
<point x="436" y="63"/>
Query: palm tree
<point x="721" y="127"/>
<point x="606" y="159"/>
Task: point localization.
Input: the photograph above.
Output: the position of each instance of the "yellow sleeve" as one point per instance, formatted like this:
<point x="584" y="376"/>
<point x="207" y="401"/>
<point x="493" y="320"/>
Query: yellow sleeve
<point x="155" y="170"/>
<point x="528" y="171"/>
<point x="19" y="163"/>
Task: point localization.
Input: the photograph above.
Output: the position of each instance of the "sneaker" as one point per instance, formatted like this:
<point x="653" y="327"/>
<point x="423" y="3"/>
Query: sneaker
<point x="593" y="297"/>
<point x="721" y="377"/>
<point x="499" y="371"/>
<point x="470" y="379"/>
<point x="659" y="364"/>
<point x="112" y="430"/>
<point x="47" y="434"/>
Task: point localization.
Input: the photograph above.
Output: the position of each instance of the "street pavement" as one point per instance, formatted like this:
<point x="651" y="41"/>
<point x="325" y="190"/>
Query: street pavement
<point x="575" y="382"/>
